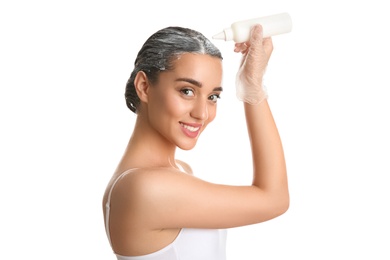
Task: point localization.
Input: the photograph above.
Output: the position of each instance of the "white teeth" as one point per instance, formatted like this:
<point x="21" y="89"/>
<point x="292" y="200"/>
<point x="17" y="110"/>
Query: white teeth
<point x="190" y="128"/>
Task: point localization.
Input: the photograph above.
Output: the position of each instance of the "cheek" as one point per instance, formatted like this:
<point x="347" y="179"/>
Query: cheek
<point x="212" y="113"/>
<point x="175" y="105"/>
<point x="164" y="103"/>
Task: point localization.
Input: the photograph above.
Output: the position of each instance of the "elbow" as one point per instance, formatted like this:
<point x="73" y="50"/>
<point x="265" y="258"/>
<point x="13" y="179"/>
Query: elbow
<point x="273" y="205"/>
<point x="283" y="204"/>
<point x="281" y="198"/>
<point x="280" y="205"/>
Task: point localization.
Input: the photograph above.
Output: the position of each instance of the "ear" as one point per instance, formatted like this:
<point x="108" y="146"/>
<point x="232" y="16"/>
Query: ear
<point x="141" y="84"/>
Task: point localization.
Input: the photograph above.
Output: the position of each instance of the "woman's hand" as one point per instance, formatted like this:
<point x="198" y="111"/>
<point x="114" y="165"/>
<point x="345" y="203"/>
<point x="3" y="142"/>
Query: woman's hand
<point x="256" y="54"/>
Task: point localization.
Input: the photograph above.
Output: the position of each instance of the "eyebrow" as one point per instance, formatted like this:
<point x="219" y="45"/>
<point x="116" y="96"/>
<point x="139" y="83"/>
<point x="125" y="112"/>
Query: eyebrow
<point x="197" y="83"/>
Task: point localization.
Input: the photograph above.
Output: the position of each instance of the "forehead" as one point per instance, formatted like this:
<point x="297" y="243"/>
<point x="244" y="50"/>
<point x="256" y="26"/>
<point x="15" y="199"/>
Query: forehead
<point x="200" y="67"/>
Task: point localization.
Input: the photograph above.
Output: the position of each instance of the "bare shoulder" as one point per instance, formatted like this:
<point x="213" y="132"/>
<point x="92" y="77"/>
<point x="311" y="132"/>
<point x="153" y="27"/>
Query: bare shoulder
<point x="143" y="179"/>
<point x="146" y="182"/>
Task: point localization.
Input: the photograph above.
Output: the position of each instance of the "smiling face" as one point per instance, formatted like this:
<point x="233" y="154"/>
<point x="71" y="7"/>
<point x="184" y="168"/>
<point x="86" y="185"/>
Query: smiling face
<point x="184" y="100"/>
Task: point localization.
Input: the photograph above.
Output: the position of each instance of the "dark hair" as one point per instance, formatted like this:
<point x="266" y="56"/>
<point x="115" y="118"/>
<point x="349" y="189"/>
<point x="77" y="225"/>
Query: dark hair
<point x="160" y="50"/>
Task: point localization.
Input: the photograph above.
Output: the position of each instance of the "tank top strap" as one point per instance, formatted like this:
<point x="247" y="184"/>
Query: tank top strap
<point x="108" y="203"/>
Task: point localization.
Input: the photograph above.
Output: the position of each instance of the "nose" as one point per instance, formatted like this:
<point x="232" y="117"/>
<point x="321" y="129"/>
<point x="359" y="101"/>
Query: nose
<point x="200" y="110"/>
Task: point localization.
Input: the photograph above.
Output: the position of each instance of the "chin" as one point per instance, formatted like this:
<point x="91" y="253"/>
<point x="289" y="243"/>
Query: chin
<point x="187" y="147"/>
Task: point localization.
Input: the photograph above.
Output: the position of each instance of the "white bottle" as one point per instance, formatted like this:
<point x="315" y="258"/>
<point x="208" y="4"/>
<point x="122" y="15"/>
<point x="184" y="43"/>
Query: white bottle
<point x="272" y="25"/>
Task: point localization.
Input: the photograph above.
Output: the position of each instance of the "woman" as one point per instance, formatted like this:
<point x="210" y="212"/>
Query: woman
<point x="154" y="207"/>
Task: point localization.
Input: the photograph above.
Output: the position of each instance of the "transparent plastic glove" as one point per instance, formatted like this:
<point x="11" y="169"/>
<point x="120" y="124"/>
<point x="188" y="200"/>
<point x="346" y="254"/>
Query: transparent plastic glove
<point x="249" y="79"/>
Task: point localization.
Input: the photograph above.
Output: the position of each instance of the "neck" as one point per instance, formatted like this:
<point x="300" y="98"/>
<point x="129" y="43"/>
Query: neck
<point x="147" y="148"/>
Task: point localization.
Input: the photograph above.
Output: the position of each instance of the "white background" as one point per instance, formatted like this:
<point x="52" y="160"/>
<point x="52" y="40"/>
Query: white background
<point x="64" y="123"/>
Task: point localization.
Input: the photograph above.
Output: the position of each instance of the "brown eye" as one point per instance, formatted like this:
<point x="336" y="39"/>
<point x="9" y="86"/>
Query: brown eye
<point x="214" y="97"/>
<point x="187" y="92"/>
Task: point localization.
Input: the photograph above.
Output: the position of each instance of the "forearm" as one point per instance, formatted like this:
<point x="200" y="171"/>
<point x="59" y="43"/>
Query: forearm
<point x="269" y="165"/>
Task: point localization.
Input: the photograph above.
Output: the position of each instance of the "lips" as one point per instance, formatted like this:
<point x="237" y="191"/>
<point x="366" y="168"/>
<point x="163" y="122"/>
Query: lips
<point x="190" y="130"/>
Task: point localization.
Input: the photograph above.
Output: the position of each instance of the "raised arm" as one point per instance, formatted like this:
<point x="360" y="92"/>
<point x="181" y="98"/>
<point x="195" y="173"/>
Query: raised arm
<point x="267" y="151"/>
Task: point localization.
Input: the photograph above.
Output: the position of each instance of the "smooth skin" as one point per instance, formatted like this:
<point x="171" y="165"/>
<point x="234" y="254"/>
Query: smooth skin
<point x="151" y="203"/>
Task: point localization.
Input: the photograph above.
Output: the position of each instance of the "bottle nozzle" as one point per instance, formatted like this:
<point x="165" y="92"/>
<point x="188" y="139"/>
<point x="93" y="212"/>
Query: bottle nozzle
<point x="220" y="36"/>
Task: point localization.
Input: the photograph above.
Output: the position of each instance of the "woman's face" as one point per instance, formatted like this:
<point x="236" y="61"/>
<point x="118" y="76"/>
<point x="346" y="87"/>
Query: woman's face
<point x="184" y="100"/>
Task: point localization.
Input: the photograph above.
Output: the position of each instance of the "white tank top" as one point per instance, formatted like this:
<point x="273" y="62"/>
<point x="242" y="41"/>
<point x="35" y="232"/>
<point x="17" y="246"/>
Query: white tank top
<point x="190" y="244"/>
